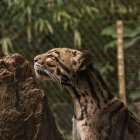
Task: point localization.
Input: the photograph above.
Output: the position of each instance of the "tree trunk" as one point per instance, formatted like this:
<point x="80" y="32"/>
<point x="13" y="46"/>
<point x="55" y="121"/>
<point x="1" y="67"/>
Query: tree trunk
<point x="24" y="112"/>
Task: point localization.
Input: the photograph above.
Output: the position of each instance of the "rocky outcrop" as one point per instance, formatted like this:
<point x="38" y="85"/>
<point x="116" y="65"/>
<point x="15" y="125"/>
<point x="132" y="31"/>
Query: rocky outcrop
<point x="24" y="112"/>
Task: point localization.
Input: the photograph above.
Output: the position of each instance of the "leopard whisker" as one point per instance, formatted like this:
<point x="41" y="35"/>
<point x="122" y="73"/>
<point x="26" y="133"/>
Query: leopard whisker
<point x="53" y="77"/>
<point x="59" y="83"/>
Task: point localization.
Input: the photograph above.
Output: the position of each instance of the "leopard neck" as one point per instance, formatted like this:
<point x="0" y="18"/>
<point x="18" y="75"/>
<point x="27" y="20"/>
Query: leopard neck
<point x="89" y="92"/>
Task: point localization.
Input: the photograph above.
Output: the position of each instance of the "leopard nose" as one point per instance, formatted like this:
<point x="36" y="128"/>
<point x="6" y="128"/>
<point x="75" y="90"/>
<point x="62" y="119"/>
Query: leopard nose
<point x="38" y="60"/>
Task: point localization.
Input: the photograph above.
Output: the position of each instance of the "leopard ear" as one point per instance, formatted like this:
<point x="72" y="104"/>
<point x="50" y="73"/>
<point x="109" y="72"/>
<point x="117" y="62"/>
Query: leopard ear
<point x="82" y="60"/>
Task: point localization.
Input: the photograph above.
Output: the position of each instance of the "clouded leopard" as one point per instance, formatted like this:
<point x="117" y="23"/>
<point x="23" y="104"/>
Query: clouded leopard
<point x="98" y="115"/>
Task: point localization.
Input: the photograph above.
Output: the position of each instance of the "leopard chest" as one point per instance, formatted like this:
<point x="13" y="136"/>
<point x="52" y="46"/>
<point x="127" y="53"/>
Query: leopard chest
<point x="87" y="129"/>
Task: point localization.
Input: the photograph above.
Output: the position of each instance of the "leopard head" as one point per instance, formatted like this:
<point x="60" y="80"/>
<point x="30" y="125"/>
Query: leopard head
<point x="61" y="64"/>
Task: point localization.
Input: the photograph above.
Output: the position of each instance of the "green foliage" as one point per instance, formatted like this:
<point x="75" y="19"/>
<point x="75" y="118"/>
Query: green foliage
<point x="77" y="39"/>
<point x="110" y="31"/>
<point x="33" y="18"/>
<point x="70" y="15"/>
<point x="139" y="74"/>
<point x="130" y="36"/>
<point x="6" y="43"/>
<point x="105" y="69"/>
<point x="43" y="25"/>
<point x="135" y="95"/>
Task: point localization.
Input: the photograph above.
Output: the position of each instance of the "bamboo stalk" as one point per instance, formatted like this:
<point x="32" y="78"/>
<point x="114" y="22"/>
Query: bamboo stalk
<point x="120" y="58"/>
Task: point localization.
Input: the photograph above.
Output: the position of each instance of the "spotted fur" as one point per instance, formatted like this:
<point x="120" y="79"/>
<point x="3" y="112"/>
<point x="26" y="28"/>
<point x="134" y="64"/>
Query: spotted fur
<point x="98" y="115"/>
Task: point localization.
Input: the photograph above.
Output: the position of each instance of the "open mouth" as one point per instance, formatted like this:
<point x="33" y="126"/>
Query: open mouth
<point x="42" y="73"/>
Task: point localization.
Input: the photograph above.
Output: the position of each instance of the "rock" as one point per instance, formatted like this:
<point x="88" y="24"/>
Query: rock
<point x="24" y="112"/>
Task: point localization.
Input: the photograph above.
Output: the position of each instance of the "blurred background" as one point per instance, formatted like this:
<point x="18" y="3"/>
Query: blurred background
<point x="31" y="27"/>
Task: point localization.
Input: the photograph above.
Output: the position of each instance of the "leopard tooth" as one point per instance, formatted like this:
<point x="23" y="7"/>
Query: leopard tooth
<point x="47" y="72"/>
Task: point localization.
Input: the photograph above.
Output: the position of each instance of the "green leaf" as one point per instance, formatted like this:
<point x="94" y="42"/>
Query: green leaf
<point x="110" y="31"/>
<point x="130" y="42"/>
<point x="130" y="33"/>
<point x="61" y="15"/>
<point x="29" y="11"/>
<point x="49" y="26"/>
<point x="29" y="33"/>
<point x="139" y="74"/>
<point x="43" y="25"/>
<point x="6" y="44"/>
<point x="127" y="32"/>
<point x="77" y="39"/>
<point x="135" y="95"/>
<point x="106" y="67"/>
<point x="65" y="26"/>
<point x="59" y="2"/>
<point x="110" y="45"/>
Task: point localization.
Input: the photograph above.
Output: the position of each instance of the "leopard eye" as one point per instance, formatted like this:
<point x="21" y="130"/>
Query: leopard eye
<point x="57" y="52"/>
<point x="49" y="56"/>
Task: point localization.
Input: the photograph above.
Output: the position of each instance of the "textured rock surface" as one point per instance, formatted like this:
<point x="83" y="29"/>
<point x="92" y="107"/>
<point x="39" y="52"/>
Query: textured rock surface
<point x="24" y="112"/>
